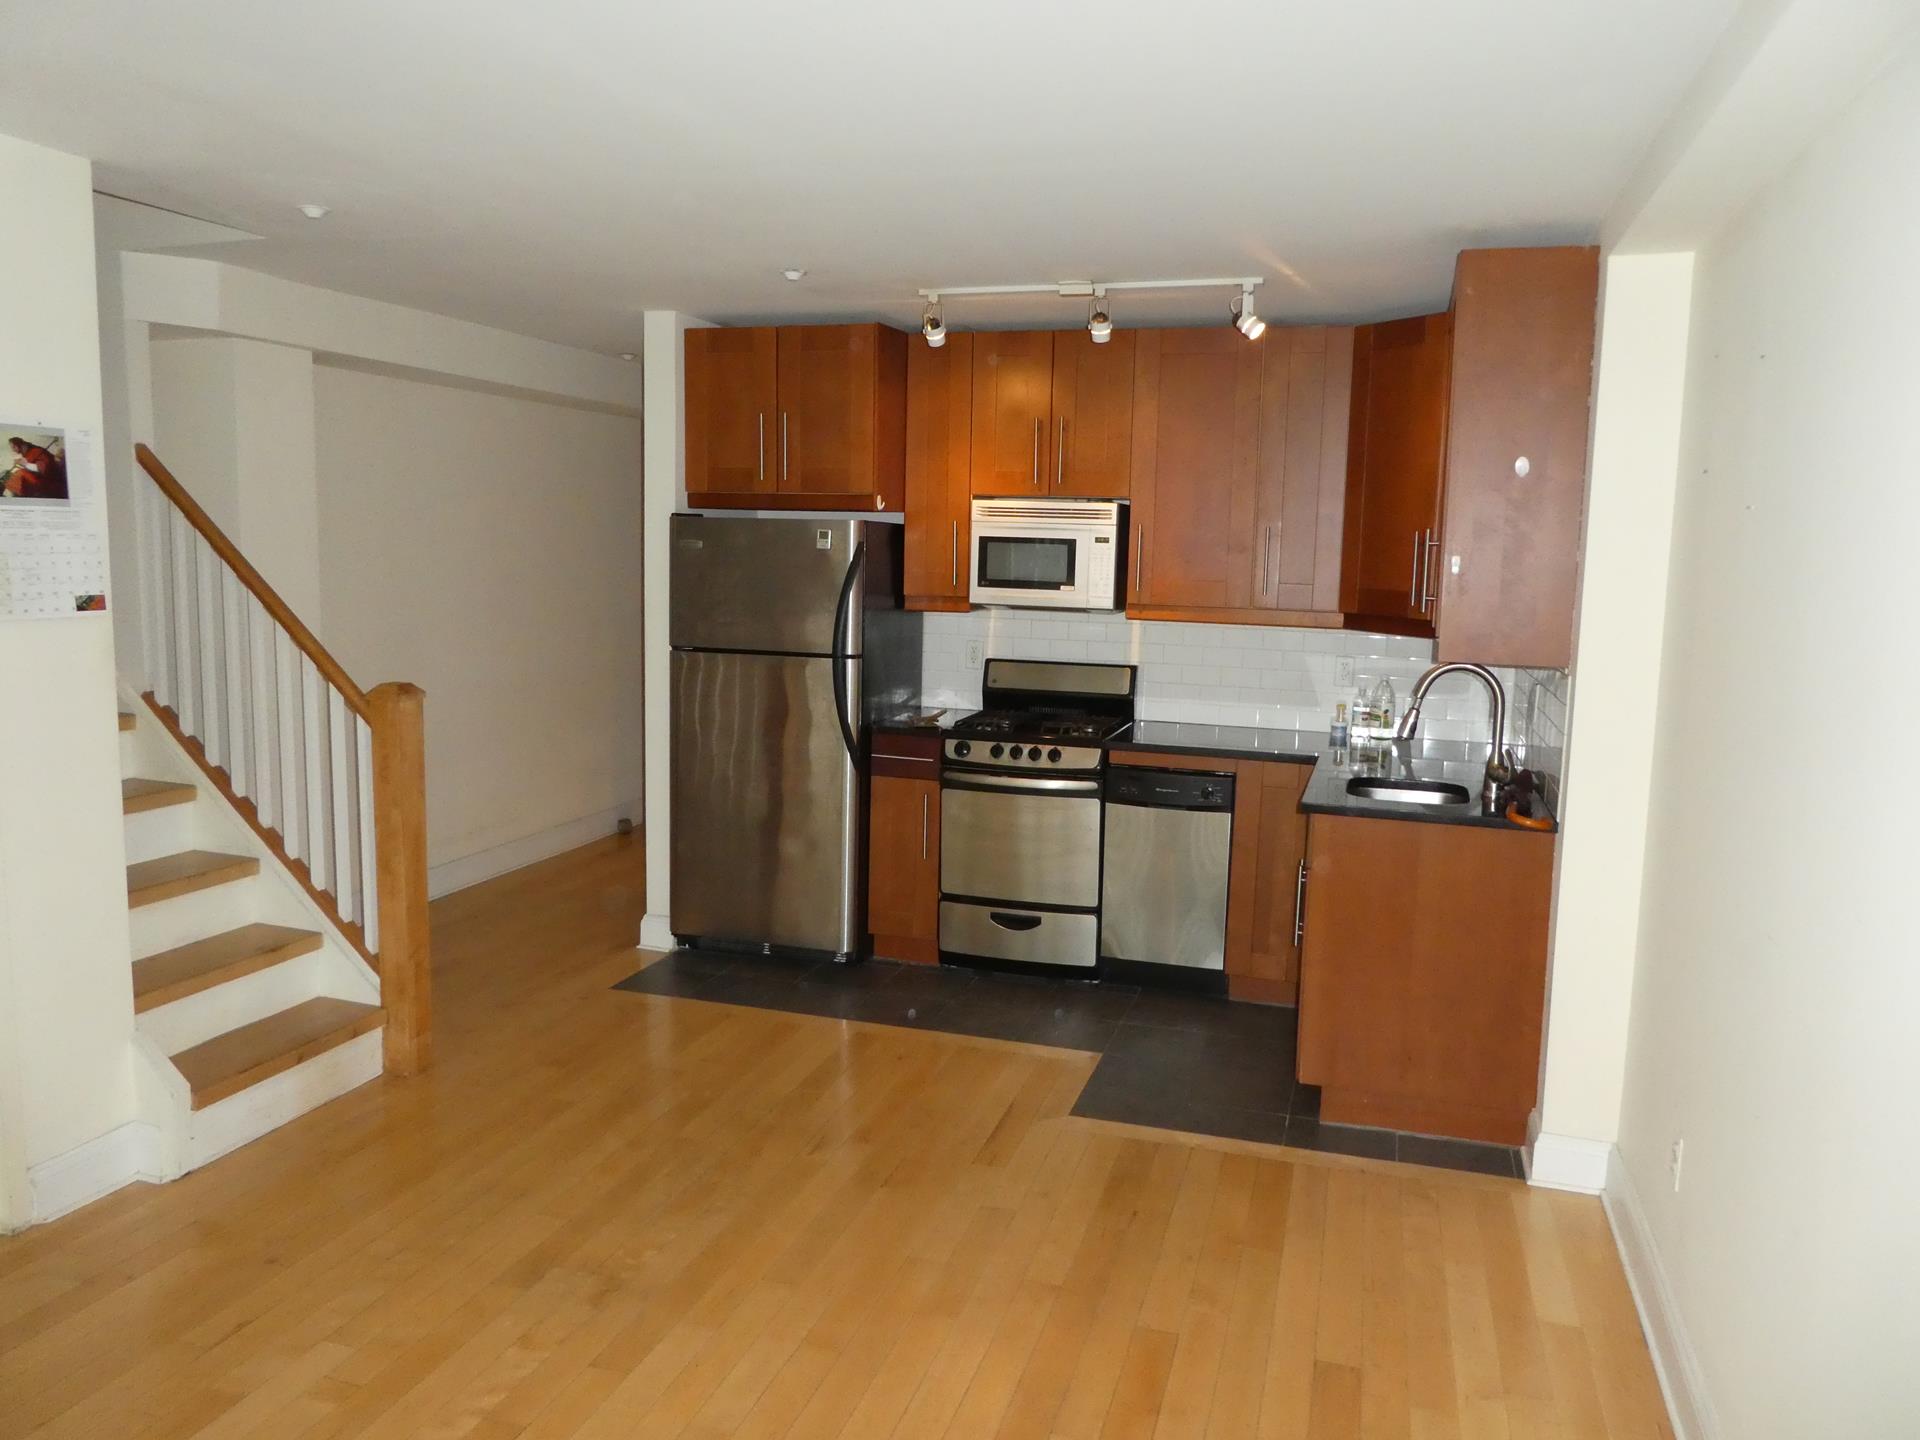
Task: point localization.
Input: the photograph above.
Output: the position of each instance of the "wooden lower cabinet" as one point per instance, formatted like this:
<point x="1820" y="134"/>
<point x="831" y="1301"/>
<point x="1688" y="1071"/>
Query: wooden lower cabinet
<point x="1269" y="846"/>
<point x="903" y="848"/>
<point x="1423" y="975"/>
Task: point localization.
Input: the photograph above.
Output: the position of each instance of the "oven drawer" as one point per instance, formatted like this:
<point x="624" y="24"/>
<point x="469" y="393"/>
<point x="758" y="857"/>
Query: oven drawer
<point x="1032" y="937"/>
<point x="1038" y="846"/>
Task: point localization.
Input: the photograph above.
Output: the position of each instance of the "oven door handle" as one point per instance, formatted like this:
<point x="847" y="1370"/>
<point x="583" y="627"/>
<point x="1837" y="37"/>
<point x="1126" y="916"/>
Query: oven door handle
<point x="1016" y="784"/>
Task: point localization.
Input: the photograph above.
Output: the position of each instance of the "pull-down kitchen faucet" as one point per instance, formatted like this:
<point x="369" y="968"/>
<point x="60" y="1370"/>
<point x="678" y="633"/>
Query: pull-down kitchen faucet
<point x="1499" y="758"/>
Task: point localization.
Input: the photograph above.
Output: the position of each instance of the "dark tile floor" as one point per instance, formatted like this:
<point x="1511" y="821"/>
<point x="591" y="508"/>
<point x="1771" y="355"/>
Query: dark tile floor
<point x="1177" y="1061"/>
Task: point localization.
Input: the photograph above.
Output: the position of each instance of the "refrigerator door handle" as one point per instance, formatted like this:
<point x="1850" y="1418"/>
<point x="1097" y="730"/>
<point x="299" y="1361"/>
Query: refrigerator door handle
<point x="842" y="614"/>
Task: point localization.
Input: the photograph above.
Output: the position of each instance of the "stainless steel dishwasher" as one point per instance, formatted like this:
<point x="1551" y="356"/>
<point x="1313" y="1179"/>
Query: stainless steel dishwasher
<point x="1164" y="897"/>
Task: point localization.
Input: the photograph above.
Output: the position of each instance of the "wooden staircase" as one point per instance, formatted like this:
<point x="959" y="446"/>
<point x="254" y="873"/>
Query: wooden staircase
<point x="276" y="848"/>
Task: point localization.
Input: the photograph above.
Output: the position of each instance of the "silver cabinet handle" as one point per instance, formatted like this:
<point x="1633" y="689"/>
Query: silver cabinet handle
<point x="1140" y="570"/>
<point x="783" y="447"/>
<point x="924" y="805"/>
<point x="760" y="449"/>
<point x="1413" y="580"/>
<point x="1266" y="563"/>
<point x="1300" y="904"/>
<point x="1038" y="426"/>
<point x="1060" y="455"/>
<point x="1427" y="597"/>
<point x="955" y="582"/>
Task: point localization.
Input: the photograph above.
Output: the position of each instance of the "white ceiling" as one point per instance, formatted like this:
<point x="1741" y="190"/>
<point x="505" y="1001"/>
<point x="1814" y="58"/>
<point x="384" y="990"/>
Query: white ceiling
<point x="557" y="167"/>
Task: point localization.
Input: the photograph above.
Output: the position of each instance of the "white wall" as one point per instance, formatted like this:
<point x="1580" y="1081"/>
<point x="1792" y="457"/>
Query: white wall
<point x="1774" y="1007"/>
<point x="66" y="1004"/>
<point x="488" y="549"/>
<point x="234" y="420"/>
<point x="1639" y="378"/>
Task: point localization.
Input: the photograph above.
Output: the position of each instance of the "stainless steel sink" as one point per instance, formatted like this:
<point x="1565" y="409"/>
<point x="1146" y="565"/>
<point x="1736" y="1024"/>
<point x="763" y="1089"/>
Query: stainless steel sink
<point x="1409" y="792"/>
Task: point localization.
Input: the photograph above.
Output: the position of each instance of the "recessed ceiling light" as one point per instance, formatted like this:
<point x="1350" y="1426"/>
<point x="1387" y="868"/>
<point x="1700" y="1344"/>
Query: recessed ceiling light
<point x="794" y="273"/>
<point x="314" y="212"/>
<point x="628" y="355"/>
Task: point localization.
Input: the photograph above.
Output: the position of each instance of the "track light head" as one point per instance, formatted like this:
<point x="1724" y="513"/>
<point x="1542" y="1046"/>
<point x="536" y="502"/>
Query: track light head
<point x="1099" y="323"/>
<point x="1244" y="319"/>
<point x="933" y="325"/>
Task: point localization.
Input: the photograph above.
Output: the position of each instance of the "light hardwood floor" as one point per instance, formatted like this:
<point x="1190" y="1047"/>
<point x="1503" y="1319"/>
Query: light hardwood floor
<point x="607" y="1214"/>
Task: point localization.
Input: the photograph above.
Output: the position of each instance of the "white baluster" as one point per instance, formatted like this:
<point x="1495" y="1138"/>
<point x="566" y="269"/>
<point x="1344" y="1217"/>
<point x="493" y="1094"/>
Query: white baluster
<point x="286" y="665"/>
<point x="238" y="682"/>
<point x="212" y="706"/>
<point x="344" y="831"/>
<point x="264" y="705"/>
<point x="186" y="654"/>
<point x="156" y="626"/>
<point x="313" y="715"/>
<point x="369" y="871"/>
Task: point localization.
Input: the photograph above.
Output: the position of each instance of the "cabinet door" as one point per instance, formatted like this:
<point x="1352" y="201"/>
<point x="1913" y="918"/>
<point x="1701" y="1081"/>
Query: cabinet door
<point x="1420" y="1001"/>
<point x="1012" y="403"/>
<point x="903" y="868"/>
<point x="1092" y="441"/>
<point x="1521" y="392"/>
<point x="1269" y="846"/>
<point x="1196" y="430"/>
<point x="939" y="463"/>
<point x="1396" y="449"/>
<point x="731" y="411"/>
<point x="1306" y="382"/>
<point x="828" y="394"/>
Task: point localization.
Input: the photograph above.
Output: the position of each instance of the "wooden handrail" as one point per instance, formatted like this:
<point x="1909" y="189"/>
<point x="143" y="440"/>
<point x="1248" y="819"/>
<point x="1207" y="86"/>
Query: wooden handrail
<point x="309" y="643"/>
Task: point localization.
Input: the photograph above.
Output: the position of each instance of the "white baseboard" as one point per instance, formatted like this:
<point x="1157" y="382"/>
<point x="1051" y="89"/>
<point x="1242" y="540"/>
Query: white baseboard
<point x="124" y="1154"/>
<point x="1674" y="1359"/>
<point x="656" y="933"/>
<point x="454" y="875"/>
<point x="1567" y="1162"/>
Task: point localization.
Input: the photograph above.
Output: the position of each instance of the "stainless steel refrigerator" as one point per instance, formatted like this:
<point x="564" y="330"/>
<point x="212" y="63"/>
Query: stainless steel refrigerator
<point x="787" y="637"/>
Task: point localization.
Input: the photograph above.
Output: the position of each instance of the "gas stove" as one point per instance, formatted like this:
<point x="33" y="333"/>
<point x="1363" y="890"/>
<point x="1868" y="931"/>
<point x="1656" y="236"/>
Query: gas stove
<point x="1044" y="714"/>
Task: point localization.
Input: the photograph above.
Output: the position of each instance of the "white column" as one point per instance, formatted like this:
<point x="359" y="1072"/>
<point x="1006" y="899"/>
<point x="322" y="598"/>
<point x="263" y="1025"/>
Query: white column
<point x="1639" y="388"/>
<point x="665" y="488"/>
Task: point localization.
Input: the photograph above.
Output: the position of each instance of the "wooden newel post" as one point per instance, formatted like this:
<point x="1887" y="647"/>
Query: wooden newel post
<point x="397" y="717"/>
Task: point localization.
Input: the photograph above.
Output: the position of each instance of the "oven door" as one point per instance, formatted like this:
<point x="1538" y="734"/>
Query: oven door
<point x="1039" y="566"/>
<point x="1026" y="838"/>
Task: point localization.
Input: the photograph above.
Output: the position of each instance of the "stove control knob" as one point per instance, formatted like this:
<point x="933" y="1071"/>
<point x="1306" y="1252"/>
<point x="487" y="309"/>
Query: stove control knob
<point x="1034" y="753"/>
<point x="962" y="749"/>
<point x="997" y="751"/>
<point x="1054" y="755"/>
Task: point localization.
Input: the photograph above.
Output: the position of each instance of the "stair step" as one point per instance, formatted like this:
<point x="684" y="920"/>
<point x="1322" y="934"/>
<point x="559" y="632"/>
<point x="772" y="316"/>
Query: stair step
<point x="175" y="974"/>
<point x="126" y="720"/>
<point x="139" y="795"/>
<point x="229" y="1063"/>
<point x="151" y="881"/>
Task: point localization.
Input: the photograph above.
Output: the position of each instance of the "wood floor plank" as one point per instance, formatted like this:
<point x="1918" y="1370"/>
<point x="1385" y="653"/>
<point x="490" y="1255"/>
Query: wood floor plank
<point x="605" y="1214"/>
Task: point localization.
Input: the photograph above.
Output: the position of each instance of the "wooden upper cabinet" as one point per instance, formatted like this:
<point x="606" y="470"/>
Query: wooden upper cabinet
<point x="1012" y="407"/>
<point x="1396" y="450"/>
<point x="1196" y="434"/>
<point x="732" y="410"/>
<point x="939" y="474"/>
<point x="798" y="417"/>
<point x="1306" y="377"/>
<point x="1092" y="432"/>
<point x="1522" y="382"/>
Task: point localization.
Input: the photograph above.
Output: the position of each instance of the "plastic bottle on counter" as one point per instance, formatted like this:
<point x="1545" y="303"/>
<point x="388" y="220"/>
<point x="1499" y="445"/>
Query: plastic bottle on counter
<point x="1337" y="733"/>
<point x="1380" y="702"/>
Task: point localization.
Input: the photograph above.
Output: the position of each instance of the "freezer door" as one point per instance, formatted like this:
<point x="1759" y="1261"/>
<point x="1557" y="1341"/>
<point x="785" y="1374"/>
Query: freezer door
<point x="765" y="801"/>
<point x="748" y="583"/>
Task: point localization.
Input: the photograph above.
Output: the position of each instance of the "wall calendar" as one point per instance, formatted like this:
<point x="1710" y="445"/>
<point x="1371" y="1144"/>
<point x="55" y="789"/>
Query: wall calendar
<point x="53" y="531"/>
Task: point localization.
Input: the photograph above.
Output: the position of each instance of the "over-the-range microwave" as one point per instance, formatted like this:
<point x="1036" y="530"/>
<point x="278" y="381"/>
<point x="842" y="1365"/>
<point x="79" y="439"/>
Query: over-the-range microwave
<point x="1060" y="554"/>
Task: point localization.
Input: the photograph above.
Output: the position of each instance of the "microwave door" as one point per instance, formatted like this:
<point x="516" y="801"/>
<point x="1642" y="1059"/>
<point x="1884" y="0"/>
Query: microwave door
<point x="1034" y="567"/>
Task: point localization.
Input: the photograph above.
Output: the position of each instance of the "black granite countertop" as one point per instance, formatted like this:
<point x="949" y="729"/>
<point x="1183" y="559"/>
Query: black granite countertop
<point x="1461" y="761"/>
<point x="918" y="720"/>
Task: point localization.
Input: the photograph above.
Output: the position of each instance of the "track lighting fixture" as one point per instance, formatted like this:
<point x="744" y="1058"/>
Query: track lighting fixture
<point x="1244" y="319"/>
<point x="1099" y="323"/>
<point x="933" y="324"/>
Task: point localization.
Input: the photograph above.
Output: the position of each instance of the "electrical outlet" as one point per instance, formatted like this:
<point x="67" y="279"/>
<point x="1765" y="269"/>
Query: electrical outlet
<point x="1343" y="671"/>
<point x="976" y="654"/>
<point x="1674" y="1157"/>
